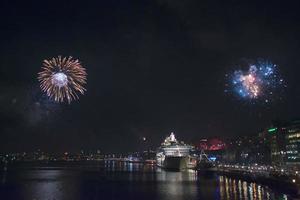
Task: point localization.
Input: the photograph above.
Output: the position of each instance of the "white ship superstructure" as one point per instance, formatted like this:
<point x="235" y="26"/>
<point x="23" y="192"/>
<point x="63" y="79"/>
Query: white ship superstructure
<point x="175" y="155"/>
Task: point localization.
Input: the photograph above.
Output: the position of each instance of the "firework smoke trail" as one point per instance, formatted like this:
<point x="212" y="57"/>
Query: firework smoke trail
<point x="260" y="82"/>
<point x="62" y="78"/>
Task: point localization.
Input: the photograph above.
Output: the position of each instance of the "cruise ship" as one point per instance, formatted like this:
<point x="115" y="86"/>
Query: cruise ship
<point x="174" y="155"/>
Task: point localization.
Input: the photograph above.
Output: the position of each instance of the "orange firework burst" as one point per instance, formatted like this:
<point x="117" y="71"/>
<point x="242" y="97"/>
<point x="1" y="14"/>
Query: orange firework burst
<point x="62" y="78"/>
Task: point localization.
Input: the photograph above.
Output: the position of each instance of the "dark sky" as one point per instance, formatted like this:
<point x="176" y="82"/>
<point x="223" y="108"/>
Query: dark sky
<point x="154" y="66"/>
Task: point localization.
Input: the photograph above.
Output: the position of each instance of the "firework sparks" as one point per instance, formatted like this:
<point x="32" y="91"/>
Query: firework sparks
<point x="260" y="81"/>
<point x="62" y="78"/>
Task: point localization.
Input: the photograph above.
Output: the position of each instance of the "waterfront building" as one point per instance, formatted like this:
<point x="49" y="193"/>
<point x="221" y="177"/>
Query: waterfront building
<point x="277" y="145"/>
<point x="263" y="148"/>
<point x="247" y="150"/>
<point x="292" y="138"/>
<point x="285" y="143"/>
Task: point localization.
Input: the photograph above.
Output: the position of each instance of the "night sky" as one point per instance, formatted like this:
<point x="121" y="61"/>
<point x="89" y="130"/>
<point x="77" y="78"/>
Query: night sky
<point x="154" y="66"/>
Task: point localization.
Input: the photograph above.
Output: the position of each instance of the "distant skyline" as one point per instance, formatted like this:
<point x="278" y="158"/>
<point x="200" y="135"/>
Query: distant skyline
<point x="154" y="67"/>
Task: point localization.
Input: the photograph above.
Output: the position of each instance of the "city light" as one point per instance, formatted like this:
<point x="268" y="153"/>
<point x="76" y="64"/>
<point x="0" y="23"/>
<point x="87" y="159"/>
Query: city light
<point x="271" y="130"/>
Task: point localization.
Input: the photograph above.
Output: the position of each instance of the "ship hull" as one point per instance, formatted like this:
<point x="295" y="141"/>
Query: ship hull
<point x="176" y="163"/>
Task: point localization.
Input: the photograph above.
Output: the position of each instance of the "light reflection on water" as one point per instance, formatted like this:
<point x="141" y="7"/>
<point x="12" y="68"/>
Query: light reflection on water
<point x="238" y="189"/>
<point x="177" y="185"/>
<point x="46" y="185"/>
<point x="116" y="180"/>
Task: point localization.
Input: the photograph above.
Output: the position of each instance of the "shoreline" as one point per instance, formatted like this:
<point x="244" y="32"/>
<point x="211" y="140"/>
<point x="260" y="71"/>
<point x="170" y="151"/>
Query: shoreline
<point x="279" y="183"/>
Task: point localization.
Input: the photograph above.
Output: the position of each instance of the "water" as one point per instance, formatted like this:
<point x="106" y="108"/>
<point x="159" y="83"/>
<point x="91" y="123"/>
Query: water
<point x="114" y="180"/>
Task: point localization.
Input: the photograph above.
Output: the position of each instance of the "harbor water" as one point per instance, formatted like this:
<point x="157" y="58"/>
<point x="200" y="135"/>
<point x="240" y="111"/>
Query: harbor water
<point x="121" y="180"/>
